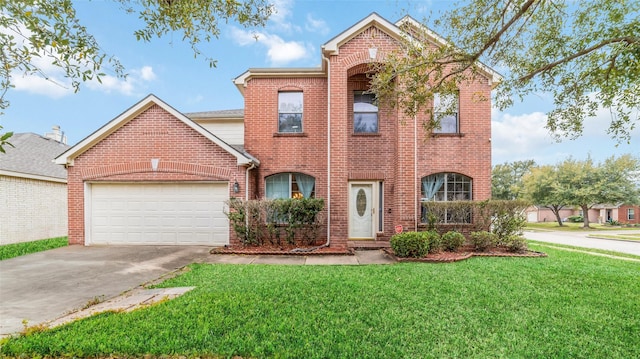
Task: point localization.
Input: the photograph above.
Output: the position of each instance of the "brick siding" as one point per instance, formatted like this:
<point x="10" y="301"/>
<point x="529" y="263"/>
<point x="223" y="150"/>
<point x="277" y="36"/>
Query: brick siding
<point x="38" y="210"/>
<point x="125" y="156"/>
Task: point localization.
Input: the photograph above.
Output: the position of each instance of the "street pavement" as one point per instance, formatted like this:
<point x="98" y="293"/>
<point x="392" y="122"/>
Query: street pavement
<point x="581" y="239"/>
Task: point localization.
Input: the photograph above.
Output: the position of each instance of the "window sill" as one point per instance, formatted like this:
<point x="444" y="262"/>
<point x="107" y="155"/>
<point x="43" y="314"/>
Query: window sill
<point x="447" y="134"/>
<point x="365" y="134"/>
<point x="290" y="134"/>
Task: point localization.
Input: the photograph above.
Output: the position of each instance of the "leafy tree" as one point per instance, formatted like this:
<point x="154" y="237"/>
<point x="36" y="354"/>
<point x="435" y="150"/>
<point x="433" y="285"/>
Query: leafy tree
<point x="584" y="183"/>
<point x="585" y="54"/>
<point x="540" y="188"/>
<point x="506" y="179"/>
<point x="4" y="140"/>
<point x="36" y="32"/>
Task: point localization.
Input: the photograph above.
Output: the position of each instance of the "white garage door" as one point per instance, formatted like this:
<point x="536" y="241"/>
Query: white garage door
<point x="158" y="213"/>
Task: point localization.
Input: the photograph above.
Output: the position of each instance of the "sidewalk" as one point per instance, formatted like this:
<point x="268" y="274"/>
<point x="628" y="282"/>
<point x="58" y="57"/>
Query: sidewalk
<point x="361" y="257"/>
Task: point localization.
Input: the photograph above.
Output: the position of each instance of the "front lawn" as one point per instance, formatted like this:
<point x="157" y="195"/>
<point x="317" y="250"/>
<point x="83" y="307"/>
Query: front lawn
<point x="568" y="305"/>
<point x="20" y="249"/>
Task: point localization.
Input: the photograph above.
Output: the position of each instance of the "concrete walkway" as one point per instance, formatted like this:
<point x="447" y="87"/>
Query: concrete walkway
<point x="360" y="257"/>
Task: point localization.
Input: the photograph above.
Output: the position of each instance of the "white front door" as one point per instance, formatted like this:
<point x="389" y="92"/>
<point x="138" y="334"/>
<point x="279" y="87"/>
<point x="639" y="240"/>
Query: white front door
<point x="361" y="211"/>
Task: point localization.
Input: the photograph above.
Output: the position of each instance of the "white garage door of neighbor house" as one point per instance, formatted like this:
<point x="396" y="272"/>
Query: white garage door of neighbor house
<point x="158" y="213"/>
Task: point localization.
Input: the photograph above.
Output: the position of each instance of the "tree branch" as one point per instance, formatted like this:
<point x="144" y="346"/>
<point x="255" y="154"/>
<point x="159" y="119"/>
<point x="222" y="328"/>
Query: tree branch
<point x="628" y="39"/>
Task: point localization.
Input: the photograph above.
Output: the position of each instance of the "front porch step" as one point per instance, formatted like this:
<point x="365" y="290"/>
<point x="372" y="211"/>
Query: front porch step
<point x="368" y="244"/>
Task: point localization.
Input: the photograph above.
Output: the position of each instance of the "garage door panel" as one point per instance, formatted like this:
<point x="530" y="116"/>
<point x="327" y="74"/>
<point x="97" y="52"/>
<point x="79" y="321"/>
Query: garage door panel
<point x="158" y="213"/>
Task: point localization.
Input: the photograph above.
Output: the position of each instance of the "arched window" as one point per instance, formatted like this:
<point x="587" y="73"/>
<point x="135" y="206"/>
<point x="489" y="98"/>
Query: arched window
<point x="290" y="185"/>
<point x="447" y="187"/>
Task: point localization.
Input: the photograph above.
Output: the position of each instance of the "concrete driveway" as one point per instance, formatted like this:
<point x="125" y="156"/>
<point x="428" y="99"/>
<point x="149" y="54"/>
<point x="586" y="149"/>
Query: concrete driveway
<point x="44" y="286"/>
<point x="581" y="239"/>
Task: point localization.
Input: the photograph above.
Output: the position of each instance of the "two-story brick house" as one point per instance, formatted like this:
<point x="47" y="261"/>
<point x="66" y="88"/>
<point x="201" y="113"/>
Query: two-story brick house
<point x="307" y="132"/>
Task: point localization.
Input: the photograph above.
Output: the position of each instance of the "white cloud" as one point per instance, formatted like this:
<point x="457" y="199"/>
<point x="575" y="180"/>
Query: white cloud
<point x="279" y="20"/>
<point x="279" y="52"/>
<point x="518" y="137"/>
<point x="129" y="86"/>
<point x="316" y="25"/>
<point x="146" y="73"/>
<point x="50" y="86"/>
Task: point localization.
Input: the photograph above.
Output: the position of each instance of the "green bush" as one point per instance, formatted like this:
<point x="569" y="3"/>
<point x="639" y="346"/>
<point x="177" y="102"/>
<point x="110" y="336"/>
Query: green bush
<point x="410" y="244"/>
<point x="575" y="219"/>
<point x="452" y="240"/>
<point x="515" y="244"/>
<point x="434" y="240"/>
<point x="293" y="219"/>
<point x="483" y="240"/>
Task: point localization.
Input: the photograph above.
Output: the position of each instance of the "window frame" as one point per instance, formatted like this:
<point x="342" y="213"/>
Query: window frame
<point x="294" y="188"/>
<point x="444" y="194"/>
<point x="446" y="114"/>
<point x="295" y="112"/>
<point x="631" y="214"/>
<point x="373" y="103"/>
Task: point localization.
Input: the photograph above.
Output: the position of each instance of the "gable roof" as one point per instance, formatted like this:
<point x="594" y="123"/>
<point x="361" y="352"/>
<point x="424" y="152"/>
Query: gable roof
<point x="32" y="157"/>
<point x="332" y="47"/>
<point x="67" y="157"/>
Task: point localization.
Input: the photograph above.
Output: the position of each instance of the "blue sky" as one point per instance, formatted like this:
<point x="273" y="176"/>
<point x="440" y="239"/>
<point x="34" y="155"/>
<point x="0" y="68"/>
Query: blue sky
<point x="167" y="68"/>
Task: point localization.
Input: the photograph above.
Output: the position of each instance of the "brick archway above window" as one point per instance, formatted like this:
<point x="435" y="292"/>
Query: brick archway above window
<point x="162" y="166"/>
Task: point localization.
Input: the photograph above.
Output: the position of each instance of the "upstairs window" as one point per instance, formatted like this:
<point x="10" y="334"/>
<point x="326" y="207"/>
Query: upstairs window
<point x="365" y="113"/>
<point x="445" y="110"/>
<point x="290" y="112"/>
<point x="290" y="185"/>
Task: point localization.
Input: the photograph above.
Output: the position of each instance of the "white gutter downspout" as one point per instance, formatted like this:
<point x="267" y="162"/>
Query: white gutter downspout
<point x="415" y="172"/>
<point x="328" y="151"/>
<point x="246" y="181"/>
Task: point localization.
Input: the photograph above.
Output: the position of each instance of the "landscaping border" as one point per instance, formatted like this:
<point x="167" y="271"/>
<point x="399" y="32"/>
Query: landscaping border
<point x="460" y="256"/>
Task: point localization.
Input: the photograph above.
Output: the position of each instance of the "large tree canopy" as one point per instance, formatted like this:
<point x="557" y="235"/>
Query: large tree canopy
<point x="35" y="32"/>
<point x="585" y="54"/>
<point x="584" y="184"/>
<point x="506" y="179"/>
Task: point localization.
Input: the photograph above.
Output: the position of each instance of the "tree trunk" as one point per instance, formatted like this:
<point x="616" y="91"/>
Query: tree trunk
<point x="585" y="215"/>
<point x="556" y="211"/>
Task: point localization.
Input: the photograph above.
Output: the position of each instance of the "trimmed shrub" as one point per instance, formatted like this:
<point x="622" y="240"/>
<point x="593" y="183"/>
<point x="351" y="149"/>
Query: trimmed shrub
<point x="575" y="219"/>
<point x="410" y="244"/>
<point x="452" y="240"/>
<point x="516" y="244"/>
<point x="483" y="240"/>
<point x="434" y="240"/>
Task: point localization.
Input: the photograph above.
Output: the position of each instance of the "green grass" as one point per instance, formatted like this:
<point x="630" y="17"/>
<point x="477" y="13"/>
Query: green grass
<point x="568" y="305"/>
<point x="20" y="249"/>
<point x="626" y="237"/>
<point x="568" y="226"/>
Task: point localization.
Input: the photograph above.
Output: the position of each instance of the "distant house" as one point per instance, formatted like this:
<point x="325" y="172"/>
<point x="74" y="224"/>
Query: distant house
<point x="33" y="189"/>
<point x="599" y="213"/>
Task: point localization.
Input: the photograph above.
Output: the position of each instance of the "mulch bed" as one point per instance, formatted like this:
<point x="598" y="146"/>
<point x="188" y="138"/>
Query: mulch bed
<point x="441" y="257"/>
<point x="285" y="249"/>
<point x="463" y="253"/>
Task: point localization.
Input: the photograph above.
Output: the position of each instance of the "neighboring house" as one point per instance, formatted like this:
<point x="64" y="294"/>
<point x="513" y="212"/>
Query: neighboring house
<point x="155" y="175"/>
<point x="539" y="213"/>
<point x="33" y="189"/>
<point x="599" y="213"/>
